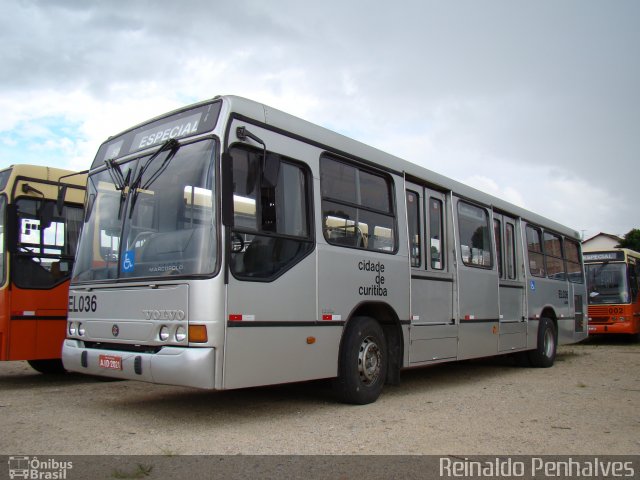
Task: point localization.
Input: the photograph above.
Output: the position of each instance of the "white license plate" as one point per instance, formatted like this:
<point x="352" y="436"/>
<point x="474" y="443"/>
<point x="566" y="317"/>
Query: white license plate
<point x="111" y="362"/>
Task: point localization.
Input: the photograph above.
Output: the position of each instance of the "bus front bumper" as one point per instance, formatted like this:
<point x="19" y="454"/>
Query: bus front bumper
<point x="613" y="328"/>
<point x="188" y="367"/>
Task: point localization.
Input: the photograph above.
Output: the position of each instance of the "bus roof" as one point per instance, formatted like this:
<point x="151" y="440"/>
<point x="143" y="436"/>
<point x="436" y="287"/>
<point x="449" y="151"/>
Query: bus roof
<point x="51" y="174"/>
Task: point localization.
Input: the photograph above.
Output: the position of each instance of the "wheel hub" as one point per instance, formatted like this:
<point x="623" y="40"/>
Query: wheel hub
<point x="369" y="361"/>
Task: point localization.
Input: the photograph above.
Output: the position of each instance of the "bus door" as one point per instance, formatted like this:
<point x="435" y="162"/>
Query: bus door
<point x="433" y="329"/>
<point x="477" y="277"/>
<point x="44" y="242"/>
<point x="271" y="294"/>
<point x="513" y="327"/>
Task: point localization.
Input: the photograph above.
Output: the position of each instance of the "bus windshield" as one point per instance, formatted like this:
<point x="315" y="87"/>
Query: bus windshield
<point x="607" y="283"/>
<point x="160" y="221"/>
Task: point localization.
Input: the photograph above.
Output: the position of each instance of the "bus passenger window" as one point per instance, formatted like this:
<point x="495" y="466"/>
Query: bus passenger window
<point x="475" y="240"/>
<point x="413" y="216"/>
<point x="553" y="256"/>
<point x="436" y="245"/>
<point x="498" y="235"/>
<point x="510" y="254"/>
<point x="572" y="255"/>
<point x="534" y="247"/>
<point x="357" y="207"/>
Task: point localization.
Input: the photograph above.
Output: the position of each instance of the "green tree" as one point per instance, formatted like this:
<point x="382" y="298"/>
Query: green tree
<point x="631" y="240"/>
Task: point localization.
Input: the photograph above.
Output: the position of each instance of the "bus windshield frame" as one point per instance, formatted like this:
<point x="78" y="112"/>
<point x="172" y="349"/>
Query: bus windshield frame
<point x="162" y="222"/>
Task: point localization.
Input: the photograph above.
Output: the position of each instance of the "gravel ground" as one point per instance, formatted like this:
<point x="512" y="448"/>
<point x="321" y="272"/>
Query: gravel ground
<point x="587" y="404"/>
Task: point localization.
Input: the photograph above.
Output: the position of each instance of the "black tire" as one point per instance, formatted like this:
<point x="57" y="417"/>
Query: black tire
<point x="53" y="366"/>
<point x="544" y="355"/>
<point x="363" y="362"/>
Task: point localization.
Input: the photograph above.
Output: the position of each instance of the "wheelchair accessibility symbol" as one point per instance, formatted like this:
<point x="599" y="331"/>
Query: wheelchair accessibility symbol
<point x="129" y="261"/>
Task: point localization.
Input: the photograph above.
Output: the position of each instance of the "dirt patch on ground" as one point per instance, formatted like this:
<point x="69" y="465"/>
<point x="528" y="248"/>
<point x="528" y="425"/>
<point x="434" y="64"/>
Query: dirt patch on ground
<point x="586" y="404"/>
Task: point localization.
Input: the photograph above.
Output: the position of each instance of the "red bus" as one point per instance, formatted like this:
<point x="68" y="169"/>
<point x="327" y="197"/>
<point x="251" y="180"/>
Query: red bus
<point x="613" y="283"/>
<point x="40" y="221"/>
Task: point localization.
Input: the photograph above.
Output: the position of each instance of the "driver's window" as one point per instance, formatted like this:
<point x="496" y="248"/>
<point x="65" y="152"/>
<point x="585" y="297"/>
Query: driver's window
<point x="271" y="222"/>
<point x="46" y="242"/>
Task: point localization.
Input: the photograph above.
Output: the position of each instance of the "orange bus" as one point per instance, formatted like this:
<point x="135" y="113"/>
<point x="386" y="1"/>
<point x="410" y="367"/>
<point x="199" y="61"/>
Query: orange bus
<point x="613" y="283"/>
<point x="40" y="221"/>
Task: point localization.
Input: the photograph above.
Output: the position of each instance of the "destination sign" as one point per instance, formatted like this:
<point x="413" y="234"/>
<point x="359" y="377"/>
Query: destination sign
<point x="602" y="256"/>
<point x="183" y="124"/>
<point x="157" y="135"/>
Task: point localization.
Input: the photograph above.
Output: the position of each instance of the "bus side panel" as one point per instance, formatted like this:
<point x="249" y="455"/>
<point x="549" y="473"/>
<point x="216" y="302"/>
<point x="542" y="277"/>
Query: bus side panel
<point x="38" y="323"/>
<point x="4" y="323"/>
<point x="266" y="335"/>
<point x="22" y="339"/>
<point x="267" y="355"/>
<point x="554" y="296"/>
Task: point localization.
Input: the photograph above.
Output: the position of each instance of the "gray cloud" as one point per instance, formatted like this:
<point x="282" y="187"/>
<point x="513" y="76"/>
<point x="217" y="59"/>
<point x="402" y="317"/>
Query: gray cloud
<point x="530" y="84"/>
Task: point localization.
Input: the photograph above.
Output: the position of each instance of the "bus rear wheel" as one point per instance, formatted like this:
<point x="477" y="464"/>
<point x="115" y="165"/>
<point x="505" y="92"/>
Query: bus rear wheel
<point x="544" y="354"/>
<point x="363" y="362"/>
<point x="52" y="366"/>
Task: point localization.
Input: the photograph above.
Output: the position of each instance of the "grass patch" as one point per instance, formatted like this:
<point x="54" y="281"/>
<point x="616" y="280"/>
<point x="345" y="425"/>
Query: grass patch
<point x="140" y="471"/>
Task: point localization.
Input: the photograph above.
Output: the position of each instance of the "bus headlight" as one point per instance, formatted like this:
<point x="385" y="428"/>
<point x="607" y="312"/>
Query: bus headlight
<point x="73" y="329"/>
<point x="181" y="334"/>
<point x="81" y="330"/>
<point x="164" y="333"/>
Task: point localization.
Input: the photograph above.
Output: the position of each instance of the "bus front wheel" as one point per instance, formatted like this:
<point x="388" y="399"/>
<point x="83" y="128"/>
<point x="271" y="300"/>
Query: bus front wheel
<point x="544" y="354"/>
<point x="363" y="362"/>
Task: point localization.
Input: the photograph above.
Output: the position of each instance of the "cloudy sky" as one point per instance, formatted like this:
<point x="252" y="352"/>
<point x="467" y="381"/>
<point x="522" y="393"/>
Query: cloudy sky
<point x="537" y="102"/>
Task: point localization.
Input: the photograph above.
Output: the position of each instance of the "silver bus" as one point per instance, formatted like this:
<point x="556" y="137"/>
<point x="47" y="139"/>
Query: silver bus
<point x="229" y="244"/>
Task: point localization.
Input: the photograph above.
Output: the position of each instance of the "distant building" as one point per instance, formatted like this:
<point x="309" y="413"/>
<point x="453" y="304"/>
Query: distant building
<point x="601" y="241"/>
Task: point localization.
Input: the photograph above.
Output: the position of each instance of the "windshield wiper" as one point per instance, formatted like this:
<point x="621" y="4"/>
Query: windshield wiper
<point x="116" y="174"/>
<point x="173" y="146"/>
<point x="119" y="181"/>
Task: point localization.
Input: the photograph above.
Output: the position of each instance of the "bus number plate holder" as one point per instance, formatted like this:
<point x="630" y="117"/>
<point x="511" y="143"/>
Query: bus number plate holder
<point x="110" y="362"/>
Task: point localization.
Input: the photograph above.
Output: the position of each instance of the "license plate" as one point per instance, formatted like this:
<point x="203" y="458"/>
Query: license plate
<point x="110" y="362"/>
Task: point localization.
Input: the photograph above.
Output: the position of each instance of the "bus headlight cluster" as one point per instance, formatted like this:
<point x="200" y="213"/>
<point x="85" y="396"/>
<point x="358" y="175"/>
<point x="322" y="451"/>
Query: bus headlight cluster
<point x="76" y="328"/>
<point x="179" y="335"/>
